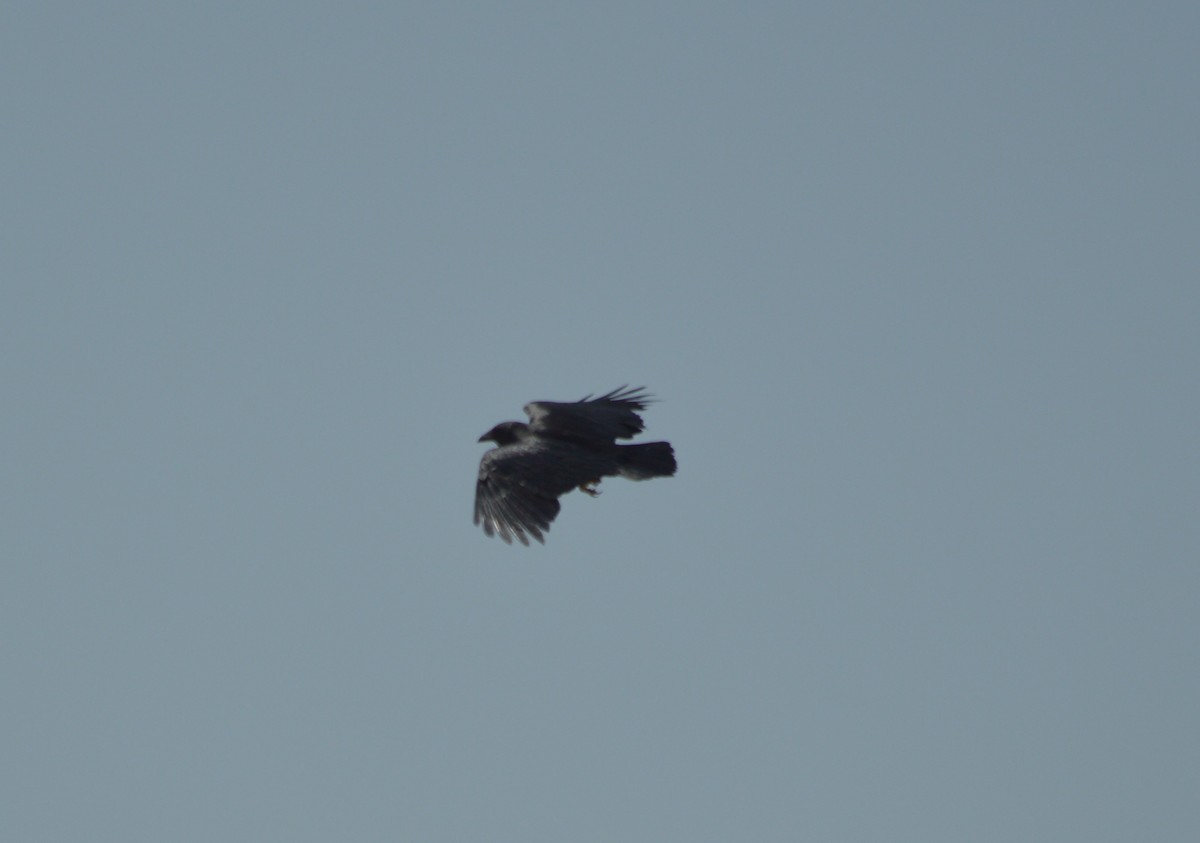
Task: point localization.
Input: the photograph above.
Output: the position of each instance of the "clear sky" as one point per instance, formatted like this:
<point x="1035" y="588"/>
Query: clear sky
<point x="916" y="284"/>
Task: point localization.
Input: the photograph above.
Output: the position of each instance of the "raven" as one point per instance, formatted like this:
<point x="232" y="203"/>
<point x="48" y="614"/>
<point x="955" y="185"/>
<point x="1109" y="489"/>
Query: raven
<point x="566" y="445"/>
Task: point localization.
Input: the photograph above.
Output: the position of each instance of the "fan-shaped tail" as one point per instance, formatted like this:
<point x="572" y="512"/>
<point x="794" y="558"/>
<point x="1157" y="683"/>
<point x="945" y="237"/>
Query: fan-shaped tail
<point x="650" y="459"/>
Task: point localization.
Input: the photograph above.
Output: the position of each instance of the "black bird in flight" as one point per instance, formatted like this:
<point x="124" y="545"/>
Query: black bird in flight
<point x="566" y="445"/>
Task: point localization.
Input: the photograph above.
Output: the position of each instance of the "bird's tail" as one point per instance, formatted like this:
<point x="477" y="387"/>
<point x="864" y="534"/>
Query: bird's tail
<point x="651" y="459"/>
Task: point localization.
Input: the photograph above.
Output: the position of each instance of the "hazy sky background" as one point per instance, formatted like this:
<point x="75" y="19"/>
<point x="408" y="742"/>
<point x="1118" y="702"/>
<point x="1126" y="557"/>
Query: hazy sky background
<point x="916" y="284"/>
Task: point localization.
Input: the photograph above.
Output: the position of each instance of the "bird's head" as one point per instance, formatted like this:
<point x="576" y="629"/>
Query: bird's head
<point x="506" y="433"/>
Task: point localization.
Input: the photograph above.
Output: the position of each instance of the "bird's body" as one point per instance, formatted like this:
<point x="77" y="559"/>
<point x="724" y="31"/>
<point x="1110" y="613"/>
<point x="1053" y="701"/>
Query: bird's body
<point x="565" y="445"/>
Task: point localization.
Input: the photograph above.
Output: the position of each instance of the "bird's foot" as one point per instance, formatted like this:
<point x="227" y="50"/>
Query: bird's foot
<point x="589" y="488"/>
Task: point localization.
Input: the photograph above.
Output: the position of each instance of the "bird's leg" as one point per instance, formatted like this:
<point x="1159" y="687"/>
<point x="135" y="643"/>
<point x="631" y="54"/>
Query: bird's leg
<point x="589" y="488"/>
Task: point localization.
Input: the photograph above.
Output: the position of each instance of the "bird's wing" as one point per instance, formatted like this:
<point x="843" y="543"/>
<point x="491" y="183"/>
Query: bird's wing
<point x="591" y="420"/>
<point x="518" y="487"/>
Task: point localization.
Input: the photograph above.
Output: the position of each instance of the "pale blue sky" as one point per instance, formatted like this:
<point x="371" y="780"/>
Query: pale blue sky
<point x="916" y="285"/>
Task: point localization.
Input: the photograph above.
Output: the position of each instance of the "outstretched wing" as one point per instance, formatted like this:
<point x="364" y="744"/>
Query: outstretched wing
<point x="591" y="421"/>
<point x="518" y="487"/>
